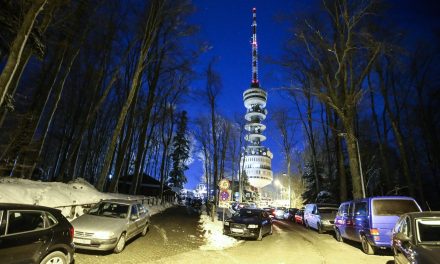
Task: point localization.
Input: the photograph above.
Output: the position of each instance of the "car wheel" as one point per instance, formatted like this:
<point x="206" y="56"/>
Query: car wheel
<point x="260" y="234"/>
<point x="320" y="230"/>
<point x="366" y="247"/>
<point x="145" y="230"/>
<point x="271" y="230"/>
<point x="120" y="245"/>
<point x="306" y="224"/>
<point x="55" y="257"/>
<point x="338" y="235"/>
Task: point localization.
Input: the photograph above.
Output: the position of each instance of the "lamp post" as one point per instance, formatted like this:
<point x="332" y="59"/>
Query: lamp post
<point x="359" y="160"/>
<point x="289" y="190"/>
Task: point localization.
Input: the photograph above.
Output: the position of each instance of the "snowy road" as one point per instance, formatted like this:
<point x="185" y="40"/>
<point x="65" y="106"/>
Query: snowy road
<point x="175" y="239"/>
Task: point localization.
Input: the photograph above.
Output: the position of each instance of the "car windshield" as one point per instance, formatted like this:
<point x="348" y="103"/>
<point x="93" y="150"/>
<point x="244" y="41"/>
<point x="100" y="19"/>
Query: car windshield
<point x="394" y="207"/>
<point x="328" y="210"/>
<point x="428" y="230"/>
<point x="248" y="213"/>
<point x="109" y="209"/>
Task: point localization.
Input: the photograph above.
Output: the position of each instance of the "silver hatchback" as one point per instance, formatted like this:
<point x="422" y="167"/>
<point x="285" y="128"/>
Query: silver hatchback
<point x="109" y="224"/>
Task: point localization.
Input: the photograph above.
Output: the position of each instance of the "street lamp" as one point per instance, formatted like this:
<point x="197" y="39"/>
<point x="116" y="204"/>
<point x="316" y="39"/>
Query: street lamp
<point x="360" y="163"/>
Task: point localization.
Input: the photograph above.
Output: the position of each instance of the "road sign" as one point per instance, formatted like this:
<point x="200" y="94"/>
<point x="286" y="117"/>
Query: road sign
<point x="225" y="195"/>
<point x="224" y="184"/>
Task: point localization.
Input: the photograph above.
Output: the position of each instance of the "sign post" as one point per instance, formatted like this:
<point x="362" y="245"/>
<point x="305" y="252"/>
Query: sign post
<point x="224" y="195"/>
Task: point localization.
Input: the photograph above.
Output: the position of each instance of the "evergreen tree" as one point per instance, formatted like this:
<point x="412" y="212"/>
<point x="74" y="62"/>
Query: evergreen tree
<point x="181" y="152"/>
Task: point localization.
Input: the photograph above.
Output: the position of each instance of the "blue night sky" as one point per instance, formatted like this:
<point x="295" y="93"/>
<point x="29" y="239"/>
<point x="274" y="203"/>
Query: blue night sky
<point x="226" y="27"/>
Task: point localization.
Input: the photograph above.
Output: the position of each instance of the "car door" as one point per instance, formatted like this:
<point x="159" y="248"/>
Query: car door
<point x="133" y="221"/>
<point x="403" y="249"/>
<point x="349" y="223"/>
<point x="360" y="218"/>
<point x="265" y="222"/>
<point x="143" y="215"/>
<point x="23" y="237"/>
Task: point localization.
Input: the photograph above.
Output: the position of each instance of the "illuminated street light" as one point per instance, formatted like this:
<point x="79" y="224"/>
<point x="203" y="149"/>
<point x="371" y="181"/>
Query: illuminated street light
<point x="360" y="163"/>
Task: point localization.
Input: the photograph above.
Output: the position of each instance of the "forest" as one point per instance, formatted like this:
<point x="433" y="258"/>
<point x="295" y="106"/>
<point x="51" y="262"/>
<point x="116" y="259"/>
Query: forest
<point x="97" y="90"/>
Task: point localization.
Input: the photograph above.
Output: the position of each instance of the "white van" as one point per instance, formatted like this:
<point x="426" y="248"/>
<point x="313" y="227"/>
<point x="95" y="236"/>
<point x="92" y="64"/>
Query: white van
<point x="320" y="216"/>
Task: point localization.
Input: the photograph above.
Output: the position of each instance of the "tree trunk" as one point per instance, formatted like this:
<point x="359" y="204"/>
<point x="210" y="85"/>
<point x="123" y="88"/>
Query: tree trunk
<point x="18" y="45"/>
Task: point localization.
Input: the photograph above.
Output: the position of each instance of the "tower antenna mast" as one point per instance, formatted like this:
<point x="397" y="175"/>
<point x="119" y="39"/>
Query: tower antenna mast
<point x="254" y="49"/>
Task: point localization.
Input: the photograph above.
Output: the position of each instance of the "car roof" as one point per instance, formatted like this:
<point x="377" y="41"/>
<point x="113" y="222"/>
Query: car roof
<point x="121" y="201"/>
<point x="15" y="206"/>
<point x="380" y="198"/>
<point x="423" y="214"/>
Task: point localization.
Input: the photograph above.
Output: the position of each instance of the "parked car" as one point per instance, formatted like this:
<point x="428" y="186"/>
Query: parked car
<point x="109" y="224"/>
<point x="416" y="238"/>
<point x="299" y="215"/>
<point x="248" y="222"/>
<point x="270" y="211"/>
<point x="279" y="213"/>
<point x="34" y="234"/>
<point x="371" y="220"/>
<point x="289" y="214"/>
<point x="320" y="216"/>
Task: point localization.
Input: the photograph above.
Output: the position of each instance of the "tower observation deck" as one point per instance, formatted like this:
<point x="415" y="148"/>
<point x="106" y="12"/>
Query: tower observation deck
<point x="257" y="159"/>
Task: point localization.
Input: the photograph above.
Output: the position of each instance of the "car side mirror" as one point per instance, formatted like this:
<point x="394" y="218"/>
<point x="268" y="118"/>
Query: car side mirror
<point x="402" y="237"/>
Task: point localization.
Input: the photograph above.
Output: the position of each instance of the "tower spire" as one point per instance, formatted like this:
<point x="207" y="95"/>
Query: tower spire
<point x="254" y="49"/>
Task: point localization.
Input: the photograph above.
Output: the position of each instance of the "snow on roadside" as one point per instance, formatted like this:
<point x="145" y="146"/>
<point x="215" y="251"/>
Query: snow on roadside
<point x="215" y="240"/>
<point x="57" y="194"/>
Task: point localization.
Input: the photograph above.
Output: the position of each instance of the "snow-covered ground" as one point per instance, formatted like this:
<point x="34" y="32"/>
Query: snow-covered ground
<point x="60" y="195"/>
<point x="215" y="240"/>
<point x="80" y="192"/>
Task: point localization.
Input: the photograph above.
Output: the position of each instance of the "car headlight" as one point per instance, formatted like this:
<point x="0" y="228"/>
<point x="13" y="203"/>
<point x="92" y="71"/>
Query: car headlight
<point x="103" y="234"/>
<point x="226" y="223"/>
<point x="252" y="226"/>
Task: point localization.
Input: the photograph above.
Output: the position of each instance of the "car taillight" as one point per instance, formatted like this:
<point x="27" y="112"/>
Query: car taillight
<point x="374" y="231"/>
<point x="71" y="232"/>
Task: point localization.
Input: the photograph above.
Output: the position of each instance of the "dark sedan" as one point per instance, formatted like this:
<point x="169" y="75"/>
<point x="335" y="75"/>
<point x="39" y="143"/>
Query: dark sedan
<point x="252" y="223"/>
<point x="416" y="238"/>
<point x="34" y="234"/>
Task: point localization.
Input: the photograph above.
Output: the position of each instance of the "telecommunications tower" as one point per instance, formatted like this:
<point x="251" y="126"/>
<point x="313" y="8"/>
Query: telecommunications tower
<point x="257" y="158"/>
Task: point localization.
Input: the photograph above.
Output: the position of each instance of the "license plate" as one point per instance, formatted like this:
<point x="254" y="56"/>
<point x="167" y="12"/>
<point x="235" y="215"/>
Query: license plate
<point x="237" y="230"/>
<point x="81" y="241"/>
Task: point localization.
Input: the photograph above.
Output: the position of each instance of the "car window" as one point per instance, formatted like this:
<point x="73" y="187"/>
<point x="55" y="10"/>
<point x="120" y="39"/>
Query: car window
<point x="134" y="210"/>
<point x="2" y="224"/>
<point x="51" y="220"/>
<point x="360" y="209"/>
<point x="428" y="230"/>
<point x="405" y="227"/>
<point x="110" y="209"/>
<point x="394" y="207"/>
<point x="141" y="209"/>
<point x="24" y="221"/>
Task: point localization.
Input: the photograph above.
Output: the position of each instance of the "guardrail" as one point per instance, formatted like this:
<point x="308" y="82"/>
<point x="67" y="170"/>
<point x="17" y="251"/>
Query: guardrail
<point x="74" y="210"/>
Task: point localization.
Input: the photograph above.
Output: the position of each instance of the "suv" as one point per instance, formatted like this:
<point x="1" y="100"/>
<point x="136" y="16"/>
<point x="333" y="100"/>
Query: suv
<point x="371" y="220"/>
<point x="320" y="216"/>
<point x="34" y="234"/>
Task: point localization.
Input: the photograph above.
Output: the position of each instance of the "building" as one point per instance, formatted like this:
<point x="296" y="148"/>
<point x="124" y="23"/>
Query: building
<point x="256" y="157"/>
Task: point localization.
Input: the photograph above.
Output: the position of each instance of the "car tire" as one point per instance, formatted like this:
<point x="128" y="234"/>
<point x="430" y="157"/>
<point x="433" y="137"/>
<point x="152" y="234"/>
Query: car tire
<point x="338" y="235"/>
<point x="320" y="230"/>
<point x="55" y="257"/>
<point x="306" y="224"/>
<point x="260" y="234"/>
<point x="271" y="230"/>
<point x="366" y="247"/>
<point x="146" y="229"/>
<point x="120" y="245"/>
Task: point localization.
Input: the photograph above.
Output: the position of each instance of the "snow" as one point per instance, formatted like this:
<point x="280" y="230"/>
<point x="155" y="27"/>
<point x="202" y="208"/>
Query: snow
<point x="79" y="192"/>
<point x="215" y="240"/>
<point x="60" y="195"/>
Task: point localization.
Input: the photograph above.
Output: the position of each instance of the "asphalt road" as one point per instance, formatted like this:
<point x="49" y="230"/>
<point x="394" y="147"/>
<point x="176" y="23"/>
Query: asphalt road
<point x="175" y="238"/>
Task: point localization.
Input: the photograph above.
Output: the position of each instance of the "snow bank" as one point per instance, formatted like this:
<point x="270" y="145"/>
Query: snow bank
<point x="215" y="240"/>
<point x="57" y="194"/>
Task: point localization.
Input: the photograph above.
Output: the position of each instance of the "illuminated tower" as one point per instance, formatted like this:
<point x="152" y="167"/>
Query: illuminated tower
<point x="257" y="158"/>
